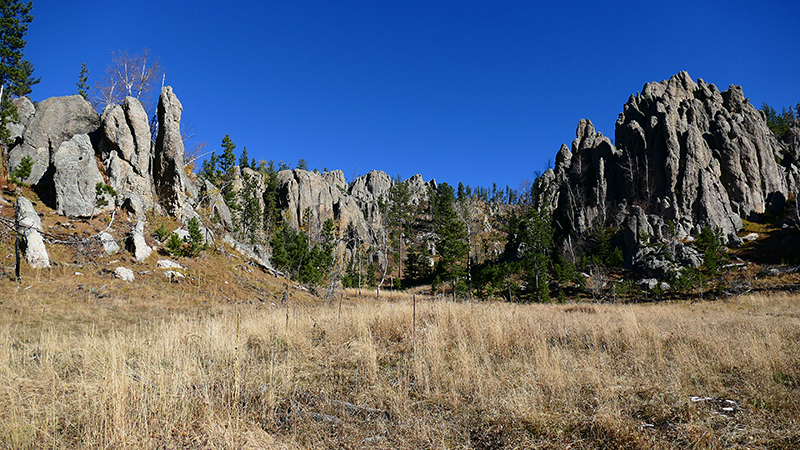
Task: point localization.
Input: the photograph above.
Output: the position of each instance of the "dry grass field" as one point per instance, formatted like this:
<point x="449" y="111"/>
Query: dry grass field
<point x="218" y="361"/>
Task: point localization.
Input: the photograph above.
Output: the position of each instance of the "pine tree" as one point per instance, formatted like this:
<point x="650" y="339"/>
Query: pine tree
<point x="271" y="197"/>
<point x="250" y="215"/>
<point x="83" y="77"/>
<point x="244" y="159"/>
<point x="228" y="159"/>
<point x="16" y="73"/>
<point x="400" y="215"/>
<point x="451" y="247"/>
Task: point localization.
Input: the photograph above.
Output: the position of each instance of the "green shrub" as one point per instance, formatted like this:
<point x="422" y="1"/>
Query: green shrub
<point x="22" y="171"/>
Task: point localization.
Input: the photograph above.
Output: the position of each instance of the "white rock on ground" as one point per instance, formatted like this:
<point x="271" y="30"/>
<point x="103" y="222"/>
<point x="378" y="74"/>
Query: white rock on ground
<point x="124" y="274"/>
<point x="30" y="225"/>
<point x="168" y="264"/>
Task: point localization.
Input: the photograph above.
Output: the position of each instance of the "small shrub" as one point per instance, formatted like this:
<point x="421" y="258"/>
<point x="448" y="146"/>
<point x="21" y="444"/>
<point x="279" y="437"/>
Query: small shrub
<point x="161" y="232"/>
<point x="175" y="245"/>
<point x="22" y="171"/>
<point x="100" y="190"/>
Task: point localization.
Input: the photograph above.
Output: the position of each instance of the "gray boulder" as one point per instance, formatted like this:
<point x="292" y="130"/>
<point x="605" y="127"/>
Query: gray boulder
<point x="29" y="224"/>
<point x="137" y="244"/>
<point x="56" y="120"/>
<point x="108" y="242"/>
<point x="75" y="178"/>
<point x="124" y="274"/>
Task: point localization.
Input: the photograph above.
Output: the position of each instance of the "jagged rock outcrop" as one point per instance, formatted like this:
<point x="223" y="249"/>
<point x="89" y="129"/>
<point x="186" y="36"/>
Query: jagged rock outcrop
<point x="212" y="197"/>
<point x="126" y="153"/>
<point x="368" y="190"/>
<point x="419" y="189"/>
<point x="301" y="191"/>
<point x="55" y="120"/>
<point x="75" y="177"/>
<point x="173" y="187"/>
<point x="30" y="225"/>
<point x="686" y="154"/>
<point x="355" y="208"/>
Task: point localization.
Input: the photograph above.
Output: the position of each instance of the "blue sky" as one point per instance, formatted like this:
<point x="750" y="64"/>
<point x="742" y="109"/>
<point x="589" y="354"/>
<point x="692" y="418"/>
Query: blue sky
<point x="469" y="91"/>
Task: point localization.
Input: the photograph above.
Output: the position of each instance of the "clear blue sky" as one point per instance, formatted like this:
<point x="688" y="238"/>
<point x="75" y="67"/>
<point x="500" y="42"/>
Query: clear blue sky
<point x="470" y="91"/>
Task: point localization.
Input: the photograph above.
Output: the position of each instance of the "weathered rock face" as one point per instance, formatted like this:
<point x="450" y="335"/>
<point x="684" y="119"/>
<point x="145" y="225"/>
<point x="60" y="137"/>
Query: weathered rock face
<point x="172" y="184"/>
<point x="368" y="190"/>
<point x="56" y="120"/>
<point x="25" y="110"/>
<point x="301" y="191"/>
<point x="30" y="225"/>
<point x="126" y="153"/>
<point x="212" y="197"/>
<point x="686" y="154"/>
<point x="76" y="175"/>
<point x="419" y="189"/>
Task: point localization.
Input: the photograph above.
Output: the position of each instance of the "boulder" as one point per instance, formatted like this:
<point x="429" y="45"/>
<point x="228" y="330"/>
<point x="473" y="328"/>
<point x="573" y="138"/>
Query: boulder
<point x="57" y="119"/>
<point x="137" y="244"/>
<point x="124" y="274"/>
<point x="168" y="264"/>
<point x="29" y="224"/>
<point x="25" y="110"/>
<point x="75" y="178"/>
<point x="110" y="245"/>
<point x="173" y="275"/>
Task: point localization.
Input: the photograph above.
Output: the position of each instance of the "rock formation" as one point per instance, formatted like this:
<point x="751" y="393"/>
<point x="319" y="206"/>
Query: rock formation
<point x="126" y="153"/>
<point x="30" y="226"/>
<point x="686" y="156"/>
<point x="55" y="120"/>
<point x="172" y="184"/>
<point x="324" y="197"/>
<point x="75" y="177"/>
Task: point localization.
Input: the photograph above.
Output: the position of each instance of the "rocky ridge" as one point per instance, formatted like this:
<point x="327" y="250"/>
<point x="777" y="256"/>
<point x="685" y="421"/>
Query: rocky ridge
<point x="73" y="148"/>
<point x="687" y="156"/>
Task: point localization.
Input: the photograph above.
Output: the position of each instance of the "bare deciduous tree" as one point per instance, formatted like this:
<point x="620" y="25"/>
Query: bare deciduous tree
<point x="128" y="75"/>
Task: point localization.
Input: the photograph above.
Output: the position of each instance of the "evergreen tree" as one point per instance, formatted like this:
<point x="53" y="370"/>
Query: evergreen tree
<point x="533" y="238"/>
<point x="244" y="159"/>
<point x="271" y="196"/>
<point x="210" y="171"/>
<point x="250" y="215"/>
<point x="227" y="164"/>
<point x="451" y="247"/>
<point x="228" y="159"/>
<point x="400" y="214"/>
<point x="83" y="77"/>
<point x="16" y="73"/>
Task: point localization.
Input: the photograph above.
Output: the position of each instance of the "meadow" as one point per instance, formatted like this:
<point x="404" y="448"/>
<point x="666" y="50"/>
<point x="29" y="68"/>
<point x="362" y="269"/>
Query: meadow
<point x="88" y="361"/>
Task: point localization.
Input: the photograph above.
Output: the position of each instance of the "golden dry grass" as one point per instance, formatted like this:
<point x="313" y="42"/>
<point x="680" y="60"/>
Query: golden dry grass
<point x="205" y="364"/>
